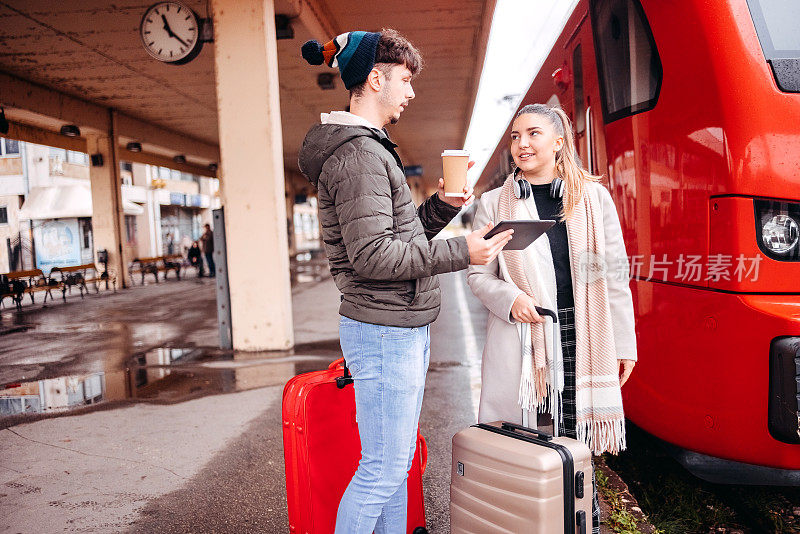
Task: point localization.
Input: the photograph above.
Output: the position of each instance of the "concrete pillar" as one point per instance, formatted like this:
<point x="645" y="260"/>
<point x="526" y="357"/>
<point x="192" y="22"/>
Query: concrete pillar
<point x="252" y="174"/>
<point x="144" y="222"/>
<point x="209" y="188"/>
<point x="108" y="223"/>
<point x="292" y="236"/>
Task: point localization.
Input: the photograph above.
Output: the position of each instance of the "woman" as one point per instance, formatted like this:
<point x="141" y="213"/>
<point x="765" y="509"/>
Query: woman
<point x="195" y="258"/>
<point x="579" y="268"/>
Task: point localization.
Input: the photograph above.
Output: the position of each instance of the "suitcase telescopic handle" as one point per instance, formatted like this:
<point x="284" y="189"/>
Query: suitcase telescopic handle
<point x="554" y="316"/>
<point x="549" y="313"/>
<point x="513" y="427"/>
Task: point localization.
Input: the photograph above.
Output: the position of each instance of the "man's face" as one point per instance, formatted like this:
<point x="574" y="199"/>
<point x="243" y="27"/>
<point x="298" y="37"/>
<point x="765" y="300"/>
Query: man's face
<point x="396" y="92"/>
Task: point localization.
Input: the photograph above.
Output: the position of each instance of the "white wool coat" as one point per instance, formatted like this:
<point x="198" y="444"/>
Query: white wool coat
<point x="491" y="283"/>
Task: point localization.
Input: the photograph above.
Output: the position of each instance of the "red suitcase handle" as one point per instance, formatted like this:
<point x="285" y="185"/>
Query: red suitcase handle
<point x="423" y="453"/>
<point x="346" y="378"/>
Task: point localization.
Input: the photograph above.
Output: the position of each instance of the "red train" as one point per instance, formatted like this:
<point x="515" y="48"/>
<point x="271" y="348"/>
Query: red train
<point x="691" y="111"/>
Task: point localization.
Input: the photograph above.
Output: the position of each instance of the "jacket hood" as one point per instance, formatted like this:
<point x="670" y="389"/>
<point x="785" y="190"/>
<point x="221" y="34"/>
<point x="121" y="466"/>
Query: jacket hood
<point x="323" y="140"/>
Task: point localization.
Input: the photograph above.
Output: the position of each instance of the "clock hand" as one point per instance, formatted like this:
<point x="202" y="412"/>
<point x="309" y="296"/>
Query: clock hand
<point x="166" y="26"/>
<point x="171" y="33"/>
<point x="180" y="40"/>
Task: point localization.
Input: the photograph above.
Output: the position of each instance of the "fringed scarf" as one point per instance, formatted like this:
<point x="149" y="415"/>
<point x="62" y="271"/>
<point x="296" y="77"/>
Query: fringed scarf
<point x="600" y="418"/>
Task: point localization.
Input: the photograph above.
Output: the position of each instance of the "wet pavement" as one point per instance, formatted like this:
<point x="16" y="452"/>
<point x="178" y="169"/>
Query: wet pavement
<point x="143" y="426"/>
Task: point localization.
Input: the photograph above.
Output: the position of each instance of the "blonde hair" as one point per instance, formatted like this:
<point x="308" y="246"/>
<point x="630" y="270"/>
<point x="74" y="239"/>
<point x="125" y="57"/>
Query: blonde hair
<point x="567" y="167"/>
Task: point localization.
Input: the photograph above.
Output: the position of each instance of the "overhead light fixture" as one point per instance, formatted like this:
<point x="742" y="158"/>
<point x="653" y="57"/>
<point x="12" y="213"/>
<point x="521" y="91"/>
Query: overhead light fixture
<point x="326" y="81"/>
<point x="283" y="27"/>
<point x="213" y="167"/>
<point x="70" y="130"/>
<point x="180" y="158"/>
<point x="133" y="146"/>
<point x="4" y="126"/>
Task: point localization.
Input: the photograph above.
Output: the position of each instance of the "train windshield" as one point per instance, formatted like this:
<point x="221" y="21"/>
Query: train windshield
<point x="776" y="23"/>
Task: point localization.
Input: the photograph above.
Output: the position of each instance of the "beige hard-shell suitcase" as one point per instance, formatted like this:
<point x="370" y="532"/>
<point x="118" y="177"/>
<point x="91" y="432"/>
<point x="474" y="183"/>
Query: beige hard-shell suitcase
<point x="507" y="478"/>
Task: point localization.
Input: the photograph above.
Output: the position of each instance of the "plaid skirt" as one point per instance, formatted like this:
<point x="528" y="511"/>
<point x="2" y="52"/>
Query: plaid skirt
<point x="566" y="320"/>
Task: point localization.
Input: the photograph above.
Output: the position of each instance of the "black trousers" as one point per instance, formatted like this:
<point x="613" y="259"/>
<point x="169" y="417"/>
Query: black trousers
<point x="566" y="319"/>
<point x="212" y="269"/>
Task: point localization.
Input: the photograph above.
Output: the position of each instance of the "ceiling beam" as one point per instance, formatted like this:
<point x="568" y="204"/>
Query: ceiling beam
<point x="145" y="132"/>
<point x="22" y="94"/>
<point x="163" y="161"/>
<point x="39" y="136"/>
<point x="314" y="15"/>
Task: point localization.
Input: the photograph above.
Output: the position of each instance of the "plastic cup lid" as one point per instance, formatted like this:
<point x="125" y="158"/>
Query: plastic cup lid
<point x="455" y="153"/>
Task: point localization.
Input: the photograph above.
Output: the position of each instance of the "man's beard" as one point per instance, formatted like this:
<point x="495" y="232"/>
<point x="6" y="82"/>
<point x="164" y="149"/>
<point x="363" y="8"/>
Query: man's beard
<point x="385" y="100"/>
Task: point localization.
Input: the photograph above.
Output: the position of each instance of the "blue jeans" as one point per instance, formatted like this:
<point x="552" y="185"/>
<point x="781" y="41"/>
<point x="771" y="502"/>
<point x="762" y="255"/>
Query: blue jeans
<point x="388" y="365"/>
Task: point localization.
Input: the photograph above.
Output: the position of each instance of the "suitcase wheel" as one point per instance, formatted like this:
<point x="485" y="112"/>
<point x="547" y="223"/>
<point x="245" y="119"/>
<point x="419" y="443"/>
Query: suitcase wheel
<point x="420" y="530"/>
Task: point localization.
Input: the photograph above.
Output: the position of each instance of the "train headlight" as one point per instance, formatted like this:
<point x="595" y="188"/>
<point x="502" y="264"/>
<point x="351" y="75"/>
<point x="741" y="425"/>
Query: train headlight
<point x="780" y="234"/>
<point x="778" y="227"/>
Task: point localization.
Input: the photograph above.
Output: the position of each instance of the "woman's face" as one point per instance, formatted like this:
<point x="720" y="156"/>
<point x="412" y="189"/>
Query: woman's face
<point x="534" y="144"/>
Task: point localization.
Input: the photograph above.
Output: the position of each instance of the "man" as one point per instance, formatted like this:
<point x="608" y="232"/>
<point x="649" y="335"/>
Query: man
<point x="207" y="240"/>
<point x="384" y="263"/>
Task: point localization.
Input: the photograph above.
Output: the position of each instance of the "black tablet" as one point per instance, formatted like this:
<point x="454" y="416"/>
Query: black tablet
<point x="525" y="232"/>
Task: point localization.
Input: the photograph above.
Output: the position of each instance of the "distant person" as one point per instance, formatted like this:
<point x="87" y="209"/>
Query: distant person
<point x="170" y="244"/>
<point x="468" y="215"/>
<point x="384" y="261"/>
<point x="207" y="239"/>
<point x="596" y="341"/>
<point x="195" y="257"/>
<point x="186" y="244"/>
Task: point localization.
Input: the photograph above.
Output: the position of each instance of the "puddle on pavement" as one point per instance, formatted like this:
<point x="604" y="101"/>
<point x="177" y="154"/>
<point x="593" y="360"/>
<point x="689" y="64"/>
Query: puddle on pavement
<point x="162" y="375"/>
<point x="439" y="366"/>
<point x="11" y="329"/>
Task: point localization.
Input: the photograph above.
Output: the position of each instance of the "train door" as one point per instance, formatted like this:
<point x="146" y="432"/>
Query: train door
<point x="589" y="135"/>
<point x="625" y="81"/>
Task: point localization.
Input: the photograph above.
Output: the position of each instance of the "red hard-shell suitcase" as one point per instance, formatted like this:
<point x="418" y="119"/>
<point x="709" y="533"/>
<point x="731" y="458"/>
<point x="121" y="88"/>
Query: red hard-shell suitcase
<point x="321" y="448"/>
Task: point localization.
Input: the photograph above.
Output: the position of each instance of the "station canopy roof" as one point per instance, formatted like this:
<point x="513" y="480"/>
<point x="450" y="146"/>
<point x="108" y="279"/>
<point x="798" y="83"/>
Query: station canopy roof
<point x="65" y="202"/>
<point x="62" y="60"/>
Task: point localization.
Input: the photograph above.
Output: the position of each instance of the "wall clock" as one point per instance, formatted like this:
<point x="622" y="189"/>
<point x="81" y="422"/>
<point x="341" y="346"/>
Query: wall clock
<point x="170" y="32"/>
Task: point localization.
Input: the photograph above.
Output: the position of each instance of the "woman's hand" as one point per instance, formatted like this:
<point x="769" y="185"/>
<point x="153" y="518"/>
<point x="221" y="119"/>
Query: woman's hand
<point x="524" y="310"/>
<point x="625" y="370"/>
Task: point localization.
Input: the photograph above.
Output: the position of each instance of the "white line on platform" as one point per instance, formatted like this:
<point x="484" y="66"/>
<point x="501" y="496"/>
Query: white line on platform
<point x="470" y="342"/>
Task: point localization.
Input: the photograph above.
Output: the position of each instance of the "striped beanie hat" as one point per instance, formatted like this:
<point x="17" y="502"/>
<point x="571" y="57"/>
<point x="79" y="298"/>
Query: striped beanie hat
<point x="352" y="52"/>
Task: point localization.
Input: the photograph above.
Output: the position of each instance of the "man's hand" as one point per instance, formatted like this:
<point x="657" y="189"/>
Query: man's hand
<point x="524" y="310"/>
<point x="625" y="370"/>
<point x="483" y="251"/>
<point x="457" y="202"/>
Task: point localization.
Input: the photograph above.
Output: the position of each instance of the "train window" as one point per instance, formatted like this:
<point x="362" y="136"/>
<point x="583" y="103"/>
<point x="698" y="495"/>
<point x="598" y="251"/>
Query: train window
<point x="776" y="25"/>
<point x="580" y="107"/>
<point x="627" y="59"/>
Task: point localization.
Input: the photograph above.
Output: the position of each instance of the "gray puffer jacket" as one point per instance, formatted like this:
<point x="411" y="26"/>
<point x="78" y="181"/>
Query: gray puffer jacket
<point x="378" y="244"/>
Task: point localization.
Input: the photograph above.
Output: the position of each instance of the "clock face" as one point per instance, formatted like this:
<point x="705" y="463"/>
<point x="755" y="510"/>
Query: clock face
<point x="170" y="32"/>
